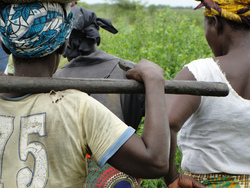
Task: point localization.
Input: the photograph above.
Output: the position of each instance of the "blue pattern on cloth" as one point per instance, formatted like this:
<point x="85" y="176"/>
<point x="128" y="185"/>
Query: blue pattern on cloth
<point x="32" y="30"/>
<point x="4" y="58"/>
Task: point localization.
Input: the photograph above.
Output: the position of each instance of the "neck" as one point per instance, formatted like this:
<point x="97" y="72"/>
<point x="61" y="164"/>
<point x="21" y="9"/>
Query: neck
<point x="238" y="41"/>
<point x="94" y="49"/>
<point x="39" y="67"/>
<point x="32" y="70"/>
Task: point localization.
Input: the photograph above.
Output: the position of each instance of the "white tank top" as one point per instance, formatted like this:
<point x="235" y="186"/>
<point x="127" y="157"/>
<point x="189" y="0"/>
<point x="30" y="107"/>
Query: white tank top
<point x="216" y="138"/>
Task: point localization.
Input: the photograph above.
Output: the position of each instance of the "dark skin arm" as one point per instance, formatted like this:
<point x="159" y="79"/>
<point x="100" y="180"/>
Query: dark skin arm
<point x="180" y="108"/>
<point x="147" y="156"/>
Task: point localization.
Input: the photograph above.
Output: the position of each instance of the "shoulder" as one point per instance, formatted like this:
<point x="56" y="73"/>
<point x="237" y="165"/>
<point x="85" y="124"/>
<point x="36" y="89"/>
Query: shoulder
<point x="104" y="55"/>
<point x="74" y="100"/>
<point x="205" y="69"/>
<point x="69" y="95"/>
<point x="200" y="63"/>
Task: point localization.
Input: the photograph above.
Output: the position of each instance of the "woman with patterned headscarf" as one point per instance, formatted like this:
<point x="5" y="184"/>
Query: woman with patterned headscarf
<point x="214" y="132"/>
<point x="45" y="136"/>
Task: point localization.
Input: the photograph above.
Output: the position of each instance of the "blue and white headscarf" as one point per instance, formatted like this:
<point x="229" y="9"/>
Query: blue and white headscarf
<point x="33" y="30"/>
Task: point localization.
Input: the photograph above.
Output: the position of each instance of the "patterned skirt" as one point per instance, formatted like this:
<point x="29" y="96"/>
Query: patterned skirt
<point x="108" y="177"/>
<point x="222" y="180"/>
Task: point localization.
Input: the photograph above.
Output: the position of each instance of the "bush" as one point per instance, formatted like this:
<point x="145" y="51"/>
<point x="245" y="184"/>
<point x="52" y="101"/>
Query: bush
<point x="166" y="38"/>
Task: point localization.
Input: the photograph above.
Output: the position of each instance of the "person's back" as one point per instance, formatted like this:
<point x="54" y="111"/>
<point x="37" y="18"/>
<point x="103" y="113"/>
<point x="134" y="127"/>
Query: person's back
<point x="128" y="107"/>
<point x="46" y="136"/>
<point x="86" y="61"/>
<point x="237" y="73"/>
<point x="30" y="128"/>
<point x="212" y="131"/>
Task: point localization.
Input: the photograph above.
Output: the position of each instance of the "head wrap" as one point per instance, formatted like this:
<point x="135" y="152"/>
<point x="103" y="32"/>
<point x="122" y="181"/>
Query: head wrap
<point x="34" y="30"/>
<point x="32" y="1"/>
<point x="234" y="10"/>
<point x="85" y="32"/>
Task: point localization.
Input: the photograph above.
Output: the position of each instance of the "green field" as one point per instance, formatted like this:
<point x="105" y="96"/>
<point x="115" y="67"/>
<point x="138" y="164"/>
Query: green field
<point x="170" y="37"/>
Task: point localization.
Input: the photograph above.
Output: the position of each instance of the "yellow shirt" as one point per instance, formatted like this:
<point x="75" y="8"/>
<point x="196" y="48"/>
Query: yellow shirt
<point x="44" y="138"/>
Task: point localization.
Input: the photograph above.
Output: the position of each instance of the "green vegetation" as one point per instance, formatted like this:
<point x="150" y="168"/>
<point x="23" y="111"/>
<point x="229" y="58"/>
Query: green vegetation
<point x="165" y="37"/>
<point x="170" y="37"/>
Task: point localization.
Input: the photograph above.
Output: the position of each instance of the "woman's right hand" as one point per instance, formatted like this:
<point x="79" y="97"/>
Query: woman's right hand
<point x="184" y="181"/>
<point x="146" y="70"/>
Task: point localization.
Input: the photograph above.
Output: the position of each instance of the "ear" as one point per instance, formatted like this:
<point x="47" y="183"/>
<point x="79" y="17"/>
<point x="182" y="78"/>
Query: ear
<point x="62" y="48"/>
<point x="218" y="25"/>
<point x="7" y="51"/>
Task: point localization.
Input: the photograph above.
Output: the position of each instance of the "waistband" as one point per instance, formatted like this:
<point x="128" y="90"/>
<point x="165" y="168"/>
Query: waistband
<point x="222" y="180"/>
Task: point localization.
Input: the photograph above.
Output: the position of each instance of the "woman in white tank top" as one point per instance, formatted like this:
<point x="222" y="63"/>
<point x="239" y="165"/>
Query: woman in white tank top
<point x="214" y="131"/>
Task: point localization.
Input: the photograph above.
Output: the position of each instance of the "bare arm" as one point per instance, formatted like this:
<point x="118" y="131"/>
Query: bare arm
<point x="148" y="156"/>
<point x="180" y="108"/>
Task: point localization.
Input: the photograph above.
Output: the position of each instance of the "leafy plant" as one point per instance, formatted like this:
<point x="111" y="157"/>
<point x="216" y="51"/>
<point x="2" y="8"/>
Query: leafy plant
<point x="166" y="38"/>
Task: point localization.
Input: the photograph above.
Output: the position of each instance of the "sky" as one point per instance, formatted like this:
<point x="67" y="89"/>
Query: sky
<point x="172" y="3"/>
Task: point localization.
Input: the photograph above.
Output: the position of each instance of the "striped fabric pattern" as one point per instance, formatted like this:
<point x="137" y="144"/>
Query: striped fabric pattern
<point x="219" y="180"/>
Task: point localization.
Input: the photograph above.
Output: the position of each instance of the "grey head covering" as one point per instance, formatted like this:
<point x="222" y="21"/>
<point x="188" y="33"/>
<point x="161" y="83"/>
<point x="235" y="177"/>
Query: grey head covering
<point x="85" y="32"/>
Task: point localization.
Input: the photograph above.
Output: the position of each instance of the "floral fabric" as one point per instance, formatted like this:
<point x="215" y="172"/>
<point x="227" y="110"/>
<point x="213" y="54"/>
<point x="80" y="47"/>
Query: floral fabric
<point x="31" y="1"/>
<point x="32" y="30"/>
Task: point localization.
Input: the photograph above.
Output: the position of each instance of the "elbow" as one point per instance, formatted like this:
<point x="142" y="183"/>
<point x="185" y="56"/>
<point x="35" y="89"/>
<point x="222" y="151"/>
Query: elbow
<point x="159" y="168"/>
<point x="160" y="161"/>
<point x="163" y="167"/>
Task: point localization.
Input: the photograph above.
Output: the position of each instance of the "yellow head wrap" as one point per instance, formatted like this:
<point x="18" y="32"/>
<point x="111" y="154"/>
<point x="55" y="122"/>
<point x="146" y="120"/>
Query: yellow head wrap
<point x="235" y="10"/>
